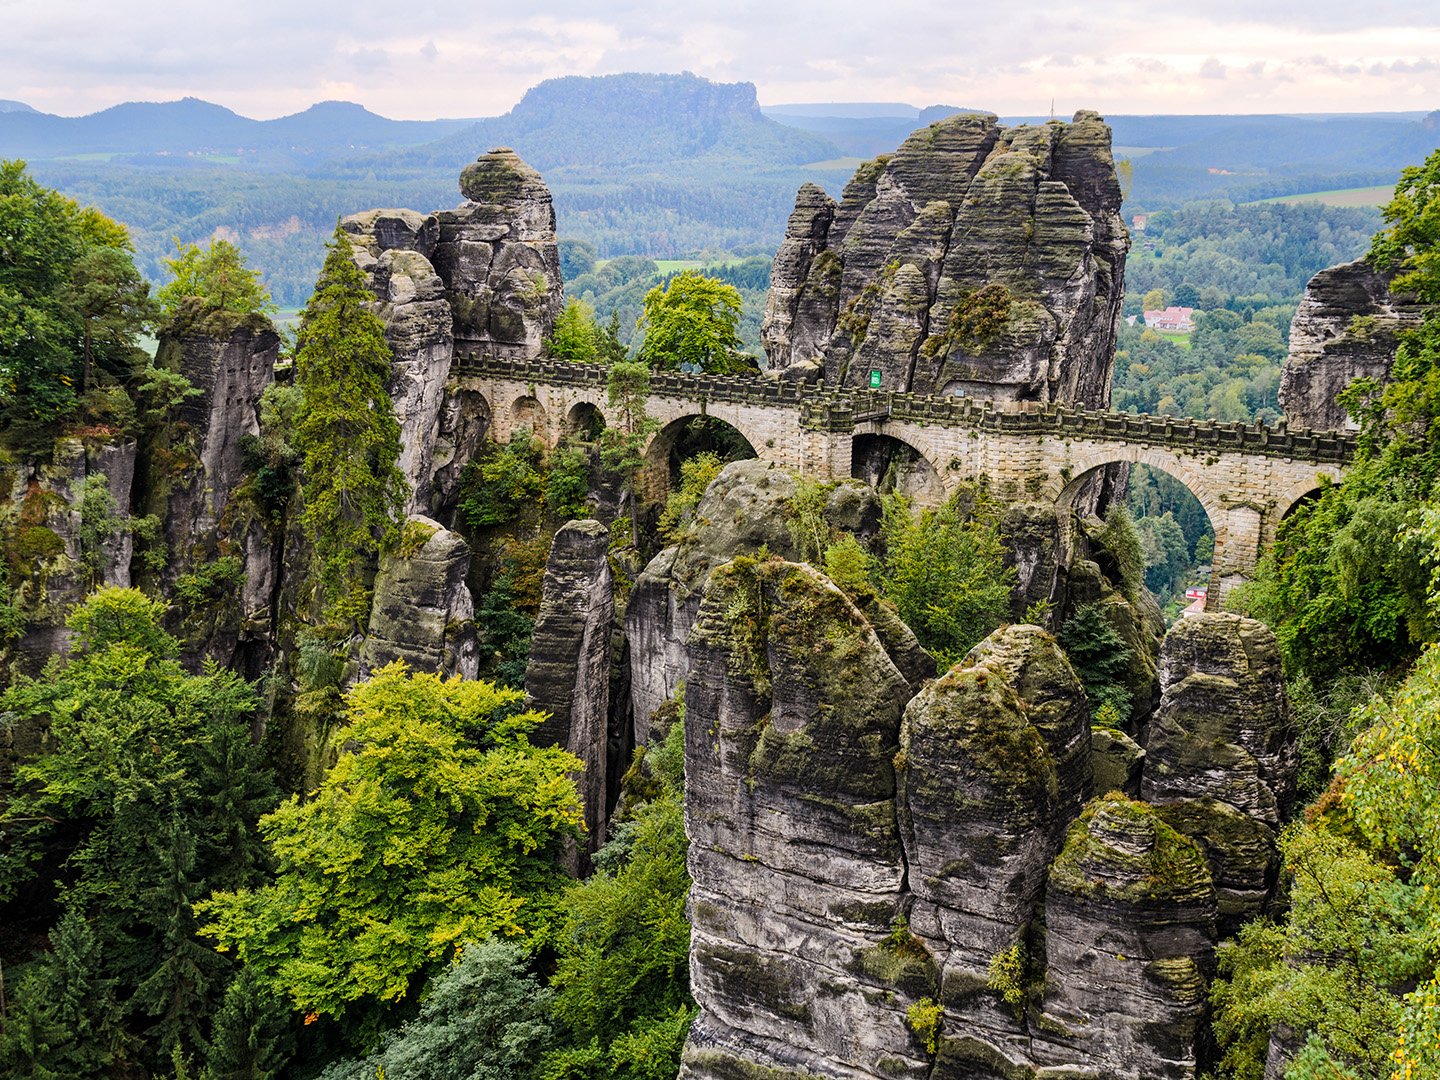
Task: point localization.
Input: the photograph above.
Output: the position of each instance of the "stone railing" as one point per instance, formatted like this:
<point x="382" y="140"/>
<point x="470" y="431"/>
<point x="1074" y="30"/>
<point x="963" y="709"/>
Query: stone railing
<point x="840" y="409"/>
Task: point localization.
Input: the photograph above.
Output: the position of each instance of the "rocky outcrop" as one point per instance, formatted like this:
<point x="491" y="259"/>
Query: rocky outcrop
<point x="743" y="510"/>
<point x="1129" y="945"/>
<point x="976" y="259"/>
<point x="1346" y="328"/>
<point x="213" y="533"/>
<point x="498" y="258"/>
<point x="394" y="247"/>
<point x="792" y="716"/>
<point x="67" y="518"/>
<point x="422" y="612"/>
<point x="481" y="279"/>
<point x="1220" y="754"/>
<point x="568" y="676"/>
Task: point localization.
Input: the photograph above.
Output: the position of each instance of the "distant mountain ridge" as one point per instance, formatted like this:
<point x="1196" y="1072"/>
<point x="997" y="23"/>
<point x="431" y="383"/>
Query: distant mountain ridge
<point x="190" y="126"/>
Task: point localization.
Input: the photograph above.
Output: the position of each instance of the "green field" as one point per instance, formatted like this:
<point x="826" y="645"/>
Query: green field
<point x="847" y="164"/>
<point x="1175" y="337"/>
<point x="1360" y="196"/>
<point x="671" y="266"/>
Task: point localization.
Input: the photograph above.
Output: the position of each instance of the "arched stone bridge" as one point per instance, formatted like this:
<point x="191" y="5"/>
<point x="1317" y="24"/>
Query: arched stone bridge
<point x="1246" y="477"/>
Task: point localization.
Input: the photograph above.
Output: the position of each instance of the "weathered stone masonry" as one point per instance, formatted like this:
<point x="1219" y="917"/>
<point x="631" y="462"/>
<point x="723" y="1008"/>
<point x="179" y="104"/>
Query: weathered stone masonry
<point x="1247" y="477"/>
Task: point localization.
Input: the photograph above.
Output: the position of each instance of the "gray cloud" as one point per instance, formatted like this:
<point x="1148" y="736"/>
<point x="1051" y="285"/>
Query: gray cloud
<point x="1212" y="69"/>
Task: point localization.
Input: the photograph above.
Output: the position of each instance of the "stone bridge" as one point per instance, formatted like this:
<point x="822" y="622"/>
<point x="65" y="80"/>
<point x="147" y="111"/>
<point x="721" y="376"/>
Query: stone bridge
<point x="1246" y="477"/>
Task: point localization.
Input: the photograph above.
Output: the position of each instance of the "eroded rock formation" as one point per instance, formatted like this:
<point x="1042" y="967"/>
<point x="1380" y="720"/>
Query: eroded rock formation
<point x="976" y="259"/>
<point x="422" y="612"/>
<point x="1345" y="329"/>
<point x="1220" y="754"/>
<point x="481" y="279"/>
<point x="568" y="676"/>
<point x="743" y="510"/>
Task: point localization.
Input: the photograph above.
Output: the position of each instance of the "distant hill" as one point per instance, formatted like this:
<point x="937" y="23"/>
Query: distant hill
<point x="633" y="120"/>
<point x="193" y="127"/>
<point x="7" y="106"/>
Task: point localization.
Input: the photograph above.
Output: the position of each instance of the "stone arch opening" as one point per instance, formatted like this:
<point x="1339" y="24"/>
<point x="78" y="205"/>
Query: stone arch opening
<point x="1173" y="524"/>
<point x="1295" y="500"/>
<point x="889" y="465"/>
<point x="584" y="421"/>
<point x="527" y="412"/>
<point x="683" y="438"/>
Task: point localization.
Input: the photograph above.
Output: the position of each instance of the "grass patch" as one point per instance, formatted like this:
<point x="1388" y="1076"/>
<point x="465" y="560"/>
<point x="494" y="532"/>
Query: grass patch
<point x="1361" y="196"/>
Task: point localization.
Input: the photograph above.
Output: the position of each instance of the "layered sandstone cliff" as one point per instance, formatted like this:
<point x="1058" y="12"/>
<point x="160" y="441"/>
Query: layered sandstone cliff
<point x="977" y="259"/>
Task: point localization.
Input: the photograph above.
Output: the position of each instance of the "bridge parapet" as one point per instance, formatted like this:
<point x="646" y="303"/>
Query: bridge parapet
<point x="837" y="409"/>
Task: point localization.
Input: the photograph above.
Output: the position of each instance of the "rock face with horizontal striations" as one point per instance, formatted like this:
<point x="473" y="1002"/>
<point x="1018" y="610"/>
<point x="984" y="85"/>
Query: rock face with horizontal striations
<point x="1346" y="328"/>
<point x="976" y="259"/>
<point x="741" y="511"/>
<point x="422" y="612"/>
<point x="568" y="675"/>
<point x="393" y="248"/>
<point x="1220" y="755"/>
<point x="193" y="486"/>
<point x="792" y="717"/>
<point x="1129" y="946"/>
<point x="482" y="279"/>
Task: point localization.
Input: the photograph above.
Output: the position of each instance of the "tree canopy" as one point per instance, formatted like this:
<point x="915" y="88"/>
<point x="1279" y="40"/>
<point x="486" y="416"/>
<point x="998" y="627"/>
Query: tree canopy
<point x="347" y="434"/>
<point x="690" y="323"/>
<point x="438" y="826"/>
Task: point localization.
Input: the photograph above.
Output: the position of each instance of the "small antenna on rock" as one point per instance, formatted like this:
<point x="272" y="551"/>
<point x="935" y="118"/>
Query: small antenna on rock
<point x="1052" y="108"/>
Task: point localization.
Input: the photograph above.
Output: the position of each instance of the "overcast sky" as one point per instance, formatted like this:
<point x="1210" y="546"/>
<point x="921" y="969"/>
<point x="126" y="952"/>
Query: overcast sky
<point x="422" y="59"/>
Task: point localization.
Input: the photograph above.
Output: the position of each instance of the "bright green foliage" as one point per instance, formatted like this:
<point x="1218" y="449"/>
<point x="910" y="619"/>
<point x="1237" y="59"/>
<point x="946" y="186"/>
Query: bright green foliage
<point x="347" y="433"/>
<point x="1412" y="243"/>
<point x="1006" y="976"/>
<point x="147" y="791"/>
<point x="576" y="336"/>
<point x="924" y="1019"/>
<point x="567" y="482"/>
<point x="1101" y="660"/>
<point x="690" y="324"/>
<point x="504" y="481"/>
<point x="805" y="520"/>
<point x="945" y="574"/>
<point x="1333" y="970"/>
<point x="481" y="1018"/>
<point x="622" y="444"/>
<point x="100" y="521"/>
<point x="622" y="980"/>
<point x="1348" y="583"/>
<point x="849" y="565"/>
<point x="439" y="826"/>
<point x="695" y="475"/>
<point x="215" y="276"/>
<point x="71" y="301"/>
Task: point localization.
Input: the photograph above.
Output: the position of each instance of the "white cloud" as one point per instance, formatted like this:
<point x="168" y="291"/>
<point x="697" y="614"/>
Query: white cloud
<point x="428" y="58"/>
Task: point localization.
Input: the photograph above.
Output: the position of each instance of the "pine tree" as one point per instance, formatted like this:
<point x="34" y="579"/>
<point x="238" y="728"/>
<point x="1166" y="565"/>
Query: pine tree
<point x="347" y="434"/>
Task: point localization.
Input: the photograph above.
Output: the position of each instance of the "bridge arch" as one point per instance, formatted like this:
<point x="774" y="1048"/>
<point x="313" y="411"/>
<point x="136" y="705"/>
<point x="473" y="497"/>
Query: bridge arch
<point x="890" y="463"/>
<point x="527" y="412"/>
<point x="585" y="421"/>
<point x="682" y="437"/>
<point x="1067" y="486"/>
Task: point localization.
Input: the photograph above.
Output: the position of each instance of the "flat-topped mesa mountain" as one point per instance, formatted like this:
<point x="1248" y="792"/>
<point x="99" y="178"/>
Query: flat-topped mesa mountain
<point x="977" y="259"/>
<point x="1346" y="328"/>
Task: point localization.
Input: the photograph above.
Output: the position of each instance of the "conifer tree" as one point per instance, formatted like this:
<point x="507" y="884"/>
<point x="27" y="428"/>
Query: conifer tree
<point x="347" y="433"/>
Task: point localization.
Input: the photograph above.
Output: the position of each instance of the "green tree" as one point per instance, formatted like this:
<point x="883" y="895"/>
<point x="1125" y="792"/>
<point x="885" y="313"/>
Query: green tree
<point x="575" y="335"/>
<point x="217" y="278"/>
<point x="440" y="826"/>
<point x="944" y="571"/>
<point x="483" y="1017"/>
<point x="148" y="787"/>
<point x="622" y="444"/>
<point x="690" y="323"/>
<point x="622" y="977"/>
<point x="251" y="1035"/>
<point x="347" y="434"/>
<point x="70" y="299"/>
<point x="1100" y="657"/>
